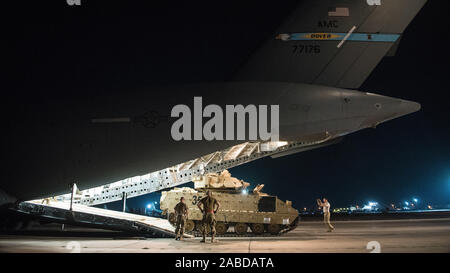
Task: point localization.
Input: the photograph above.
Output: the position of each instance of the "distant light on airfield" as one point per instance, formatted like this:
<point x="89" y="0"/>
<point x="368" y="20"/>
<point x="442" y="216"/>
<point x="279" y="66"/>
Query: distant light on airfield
<point x="149" y="206"/>
<point x="415" y="200"/>
<point x="370" y="206"/>
<point x="244" y="192"/>
<point x="407" y="203"/>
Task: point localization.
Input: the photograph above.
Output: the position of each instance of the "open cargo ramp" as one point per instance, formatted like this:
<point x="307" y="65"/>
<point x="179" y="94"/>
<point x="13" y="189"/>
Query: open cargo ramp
<point x="81" y="215"/>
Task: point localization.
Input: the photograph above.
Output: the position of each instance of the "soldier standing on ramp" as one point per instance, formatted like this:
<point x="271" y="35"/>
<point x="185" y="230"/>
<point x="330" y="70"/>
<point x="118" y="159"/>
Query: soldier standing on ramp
<point x="326" y="213"/>
<point x="209" y="204"/>
<point x="181" y="213"/>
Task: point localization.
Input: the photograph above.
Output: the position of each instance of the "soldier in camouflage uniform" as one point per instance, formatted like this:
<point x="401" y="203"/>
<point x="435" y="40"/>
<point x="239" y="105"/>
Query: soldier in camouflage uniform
<point x="209" y="209"/>
<point x="181" y="214"/>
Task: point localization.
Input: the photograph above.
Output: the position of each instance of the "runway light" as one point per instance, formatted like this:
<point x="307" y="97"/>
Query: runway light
<point x="407" y="203"/>
<point x="244" y="192"/>
<point x="415" y="200"/>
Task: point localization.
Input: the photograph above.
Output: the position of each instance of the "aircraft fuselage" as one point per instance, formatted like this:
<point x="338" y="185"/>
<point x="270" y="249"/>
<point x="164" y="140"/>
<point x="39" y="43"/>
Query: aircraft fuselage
<point x="105" y="139"/>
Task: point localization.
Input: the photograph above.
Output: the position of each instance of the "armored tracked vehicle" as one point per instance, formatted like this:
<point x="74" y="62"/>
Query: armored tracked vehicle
<point x="241" y="212"/>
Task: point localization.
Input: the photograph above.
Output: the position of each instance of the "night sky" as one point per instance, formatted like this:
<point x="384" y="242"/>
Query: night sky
<point x="58" y="50"/>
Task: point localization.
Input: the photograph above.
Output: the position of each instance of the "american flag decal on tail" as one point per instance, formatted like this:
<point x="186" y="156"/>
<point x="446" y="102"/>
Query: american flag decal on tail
<point x="339" y="12"/>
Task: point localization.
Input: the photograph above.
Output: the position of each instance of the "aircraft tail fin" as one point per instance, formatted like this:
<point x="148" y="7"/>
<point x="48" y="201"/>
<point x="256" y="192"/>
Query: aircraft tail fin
<point x="333" y="43"/>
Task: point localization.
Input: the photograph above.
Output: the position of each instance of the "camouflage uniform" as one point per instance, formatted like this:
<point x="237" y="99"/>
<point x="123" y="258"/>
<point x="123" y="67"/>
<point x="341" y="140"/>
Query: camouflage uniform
<point x="180" y="213"/>
<point x="208" y="215"/>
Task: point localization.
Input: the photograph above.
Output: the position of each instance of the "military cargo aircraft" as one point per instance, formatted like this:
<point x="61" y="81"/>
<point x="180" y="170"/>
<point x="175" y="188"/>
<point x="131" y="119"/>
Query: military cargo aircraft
<point x="309" y="70"/>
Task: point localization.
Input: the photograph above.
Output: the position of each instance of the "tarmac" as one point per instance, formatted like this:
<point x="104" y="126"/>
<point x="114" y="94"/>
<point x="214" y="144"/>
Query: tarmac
<point x="386" y="236"/>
